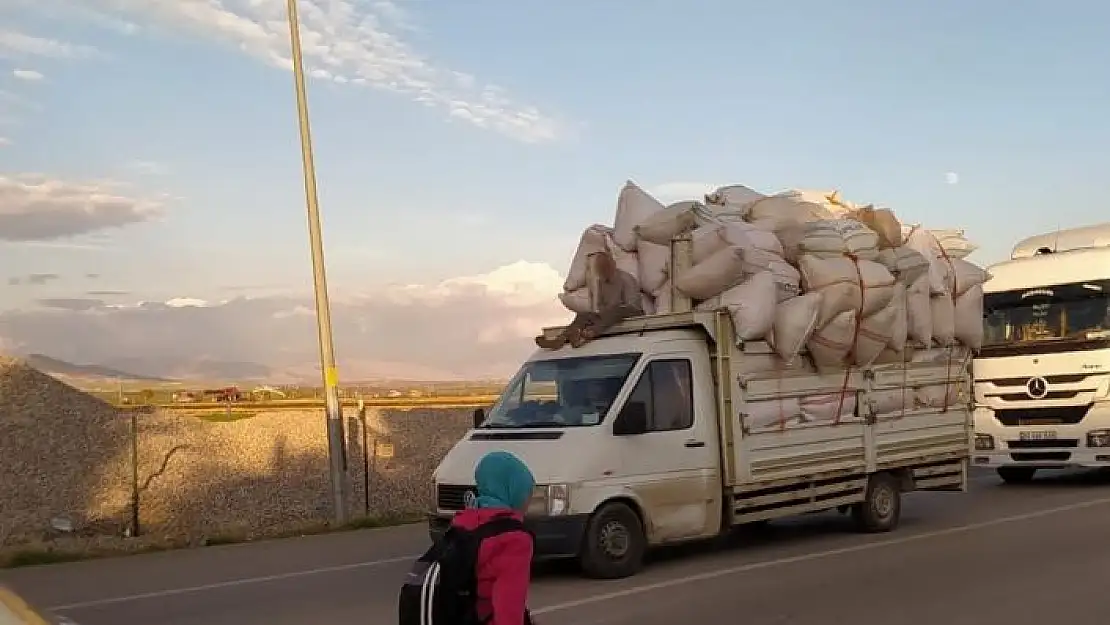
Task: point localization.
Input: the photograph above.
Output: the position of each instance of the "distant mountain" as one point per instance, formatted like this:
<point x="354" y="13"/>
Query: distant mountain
<point x="57" y="367"/>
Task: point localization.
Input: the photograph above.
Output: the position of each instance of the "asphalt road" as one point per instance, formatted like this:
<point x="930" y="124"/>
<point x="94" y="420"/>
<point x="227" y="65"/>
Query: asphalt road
<point x="998" y="555"/>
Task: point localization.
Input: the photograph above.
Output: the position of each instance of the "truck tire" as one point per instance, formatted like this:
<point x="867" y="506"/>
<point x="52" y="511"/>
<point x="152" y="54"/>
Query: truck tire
<point x="1017" y="475"/>
<point x="881" y="509"/>
<point x="614" y="545"/>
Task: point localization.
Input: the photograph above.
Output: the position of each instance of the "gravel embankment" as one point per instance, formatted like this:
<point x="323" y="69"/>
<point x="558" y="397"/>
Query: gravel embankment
<point x="66" y="454"/>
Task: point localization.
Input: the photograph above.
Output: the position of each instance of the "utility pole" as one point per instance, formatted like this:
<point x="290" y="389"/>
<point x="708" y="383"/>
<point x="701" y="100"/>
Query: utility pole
<point x="337" y="457"/>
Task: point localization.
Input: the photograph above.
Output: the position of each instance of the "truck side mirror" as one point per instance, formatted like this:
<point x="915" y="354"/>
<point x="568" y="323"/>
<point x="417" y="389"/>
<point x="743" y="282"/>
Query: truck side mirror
<point x="479" y="417"/>
<point x="632" y="420"/>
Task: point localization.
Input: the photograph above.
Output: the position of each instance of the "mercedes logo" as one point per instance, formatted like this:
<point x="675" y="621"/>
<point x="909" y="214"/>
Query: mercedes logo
<point x="470" y="499"/>
<point x="1036" y="388"/>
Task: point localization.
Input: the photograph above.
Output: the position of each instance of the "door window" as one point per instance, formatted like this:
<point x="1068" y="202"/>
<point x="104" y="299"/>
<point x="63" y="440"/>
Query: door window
<point x="665" y="389"/>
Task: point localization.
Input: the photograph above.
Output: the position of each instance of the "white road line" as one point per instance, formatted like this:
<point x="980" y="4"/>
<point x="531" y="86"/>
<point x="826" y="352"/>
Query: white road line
<point x="157" y="594"/>
<point x="754" y="566"/>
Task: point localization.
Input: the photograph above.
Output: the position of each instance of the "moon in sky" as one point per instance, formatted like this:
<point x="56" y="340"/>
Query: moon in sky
<point x="951" y="177"/>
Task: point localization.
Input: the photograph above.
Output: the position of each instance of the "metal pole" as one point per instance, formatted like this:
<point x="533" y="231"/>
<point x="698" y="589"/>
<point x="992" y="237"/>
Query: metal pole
<point x="337" y="460"/>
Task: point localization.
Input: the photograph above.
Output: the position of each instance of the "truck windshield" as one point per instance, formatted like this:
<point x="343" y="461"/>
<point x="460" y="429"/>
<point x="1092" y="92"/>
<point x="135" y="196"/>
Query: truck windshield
<point x="1045" y="319"/>
<point x="566" y="392"/>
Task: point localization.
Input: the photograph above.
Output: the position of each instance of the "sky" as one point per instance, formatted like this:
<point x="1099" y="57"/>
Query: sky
<point x="152" y="206"/>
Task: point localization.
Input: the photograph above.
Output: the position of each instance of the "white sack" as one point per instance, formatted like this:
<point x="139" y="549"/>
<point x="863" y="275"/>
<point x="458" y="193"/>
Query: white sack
<point x="795" y="321"/>
<point x="577" y="301"/>
<point x="943" y="312"/>
<point x="713" y="275"/>
<point x="899" y="330"/>
<point x="969" y="317"/>
<point x="663" y="299"/>
<point x="779" y="413"/>
<point x="788" y="233"/>
<point x="837" y="237"/>
<point x="647" y="302"/>
<point x="735" y="198"/>
<point x="967" y="276"/>
<point x="838" y="279"/>
<point x="905" y="264"/>
<point x="830" y="345"/>
<point x="634" y="205"/>
<point x="654" y="263"/>
<point x="668" y="223"/>
<point x="889" y="356"/>
<point x="591" y="242"/>
<point x="823" y="408"/>
<point x="891" y="402"/>
<point x="874" y="335"/>
<point x="711" y="238"/>
<point x="627" y="262"/>
<point x="940" y="396"/>
<point x="787" y="279"/>
<point x="751" y="304"/>
<point x="954" y="242"/>
<point x="919" y="316"/>
<point x="883" y="222"/>
<point x="795" y="206"/>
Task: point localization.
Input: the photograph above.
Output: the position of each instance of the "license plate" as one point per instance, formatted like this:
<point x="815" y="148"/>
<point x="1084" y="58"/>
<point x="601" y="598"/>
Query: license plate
<point x="1038" y="435"/>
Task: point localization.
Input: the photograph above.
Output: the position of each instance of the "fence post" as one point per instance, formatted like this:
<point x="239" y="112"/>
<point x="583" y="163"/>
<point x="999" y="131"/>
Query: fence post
<point x="365" y="458"/>
<point x="135" y="529"/>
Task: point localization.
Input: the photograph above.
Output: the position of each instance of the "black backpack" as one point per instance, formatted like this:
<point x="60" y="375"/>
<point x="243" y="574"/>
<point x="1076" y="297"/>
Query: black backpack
<point x="442" y="587"/>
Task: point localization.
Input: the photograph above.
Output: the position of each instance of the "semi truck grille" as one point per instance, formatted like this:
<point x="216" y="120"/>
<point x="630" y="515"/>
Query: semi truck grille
<point x="1061" y="443"/>
<point x="1064" y="415"/>
<point x="451" y="497"/>
<point x="1034" y="456"/>
<point x="1051" y="379"/>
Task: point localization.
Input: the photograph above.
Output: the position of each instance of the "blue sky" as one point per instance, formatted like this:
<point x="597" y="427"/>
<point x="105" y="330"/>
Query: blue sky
<point x="183" y="104"/>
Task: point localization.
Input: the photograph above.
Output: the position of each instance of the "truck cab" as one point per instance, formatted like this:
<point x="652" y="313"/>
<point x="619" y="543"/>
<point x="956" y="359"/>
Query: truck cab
<point x="658" y="452"/>
<point x="1042" y="378"/>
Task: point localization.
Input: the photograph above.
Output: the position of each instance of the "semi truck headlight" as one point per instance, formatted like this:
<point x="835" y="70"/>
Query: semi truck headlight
<point x="1098" y="438"/>
<point x="984" y="442"/>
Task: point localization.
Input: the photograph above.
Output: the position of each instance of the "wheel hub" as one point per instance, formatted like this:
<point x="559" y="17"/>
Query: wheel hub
<point x="883" y="502"/>
<point x="614" y="539"/>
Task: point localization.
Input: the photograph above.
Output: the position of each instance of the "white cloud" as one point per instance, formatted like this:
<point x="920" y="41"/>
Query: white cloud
<point x="29" y="75"/>
<point x="669" y="192"/>
<point x="14" y="44"/>
<point x="34" y="207"/>
<point x="465" y="327"/>
<point x="349" y="42"/>
<point x="5" y="141"/>
<point x="952" y="178"/>
<point x="148" y="168"/>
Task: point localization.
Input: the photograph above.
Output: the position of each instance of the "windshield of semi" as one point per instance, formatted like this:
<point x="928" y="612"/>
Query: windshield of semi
<point x="1076" y="311"/>
<point x="567" y="392"/>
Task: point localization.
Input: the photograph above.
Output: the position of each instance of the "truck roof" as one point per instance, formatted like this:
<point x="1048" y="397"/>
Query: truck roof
<point x="1091" y="263"/>
<point x="1097" y="235"/>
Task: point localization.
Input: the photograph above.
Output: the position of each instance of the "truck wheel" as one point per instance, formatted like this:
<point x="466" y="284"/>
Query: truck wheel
<point x="614" y="545"/>
<point x="881" y="508"/>
<point x="1017" y="475"/>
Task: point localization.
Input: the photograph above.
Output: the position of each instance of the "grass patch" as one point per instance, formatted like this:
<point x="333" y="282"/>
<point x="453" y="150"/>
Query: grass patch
<point x="224" y="416"/>
<point x="46" y="555"/>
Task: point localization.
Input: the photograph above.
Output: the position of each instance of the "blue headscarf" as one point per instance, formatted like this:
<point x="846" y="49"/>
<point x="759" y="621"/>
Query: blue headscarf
<point x="503" y="481"/>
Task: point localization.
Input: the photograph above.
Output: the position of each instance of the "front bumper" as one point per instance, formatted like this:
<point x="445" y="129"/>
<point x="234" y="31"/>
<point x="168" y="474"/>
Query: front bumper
<point x="556" y="536"/>
<point x="1056" y="446"/>
<point x="1043" y="458"/>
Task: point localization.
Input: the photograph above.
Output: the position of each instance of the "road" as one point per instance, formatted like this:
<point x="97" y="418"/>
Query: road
<point x="999" y="554"/>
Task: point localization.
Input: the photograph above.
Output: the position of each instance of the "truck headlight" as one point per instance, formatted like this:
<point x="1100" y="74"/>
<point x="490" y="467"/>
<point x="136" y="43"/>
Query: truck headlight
<point x="1098" y="438"/>
<point x="984" y="442"/>
<point x="548" y="500"/>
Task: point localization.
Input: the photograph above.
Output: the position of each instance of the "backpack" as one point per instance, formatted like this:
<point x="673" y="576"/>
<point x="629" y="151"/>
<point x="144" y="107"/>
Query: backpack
<point x="441" y="588"/>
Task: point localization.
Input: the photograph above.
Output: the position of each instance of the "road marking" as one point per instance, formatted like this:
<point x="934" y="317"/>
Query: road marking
<point x="755" y="566"/>
<point x="157" y="594"/>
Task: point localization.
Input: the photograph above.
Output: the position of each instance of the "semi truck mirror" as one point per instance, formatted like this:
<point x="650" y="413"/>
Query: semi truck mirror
<point x="479" y="417"/>
<point x="632" y="420"/>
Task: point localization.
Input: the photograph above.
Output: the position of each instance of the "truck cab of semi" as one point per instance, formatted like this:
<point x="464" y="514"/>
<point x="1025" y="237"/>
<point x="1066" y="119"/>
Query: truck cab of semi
<point x="1042" y="378"/>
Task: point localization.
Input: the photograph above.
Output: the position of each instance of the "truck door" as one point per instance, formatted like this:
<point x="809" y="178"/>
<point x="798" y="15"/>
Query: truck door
<point x="670" y="460"/>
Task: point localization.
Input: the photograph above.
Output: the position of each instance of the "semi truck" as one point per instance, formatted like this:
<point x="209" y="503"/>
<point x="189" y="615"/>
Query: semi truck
<point x="1042" y="378"/>
<point x="648" y="436"/>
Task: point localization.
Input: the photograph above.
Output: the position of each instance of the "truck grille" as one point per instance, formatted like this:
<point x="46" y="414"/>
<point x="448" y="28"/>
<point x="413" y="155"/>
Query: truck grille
<point x="1056" y="443"/>
<point x="451" y="497"/>
<point x="1042" y="456"/>
<point x="1064" y="415"/>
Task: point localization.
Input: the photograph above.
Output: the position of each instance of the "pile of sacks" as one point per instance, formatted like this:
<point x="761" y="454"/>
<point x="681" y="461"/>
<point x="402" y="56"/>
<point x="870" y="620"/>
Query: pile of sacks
<point x="804" y="270"/>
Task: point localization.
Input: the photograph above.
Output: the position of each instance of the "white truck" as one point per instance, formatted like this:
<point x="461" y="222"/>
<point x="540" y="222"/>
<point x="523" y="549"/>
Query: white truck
<point x="1042" y="378"/>
<point x="646" y="436"/>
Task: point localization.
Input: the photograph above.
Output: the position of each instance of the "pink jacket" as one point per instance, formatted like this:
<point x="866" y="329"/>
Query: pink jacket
<point x="504" y="568"/>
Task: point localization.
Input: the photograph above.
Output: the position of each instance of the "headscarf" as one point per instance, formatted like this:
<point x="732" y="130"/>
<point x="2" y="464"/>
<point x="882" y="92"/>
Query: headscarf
<point x="503" y="481"/>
